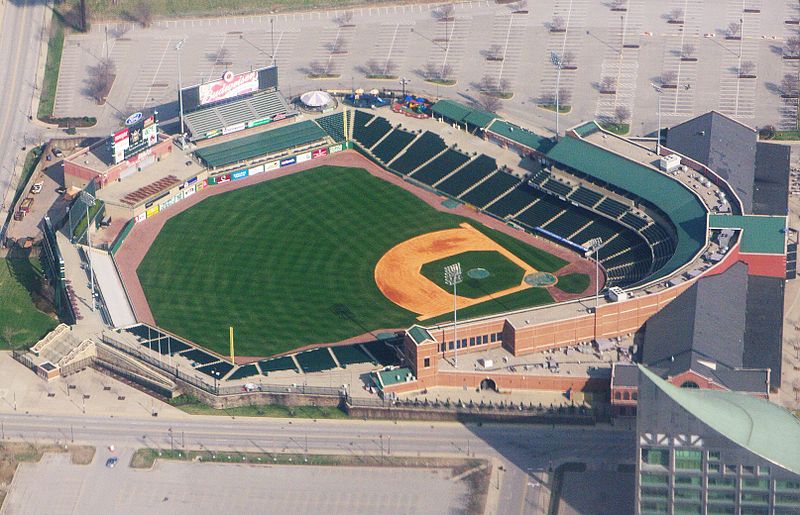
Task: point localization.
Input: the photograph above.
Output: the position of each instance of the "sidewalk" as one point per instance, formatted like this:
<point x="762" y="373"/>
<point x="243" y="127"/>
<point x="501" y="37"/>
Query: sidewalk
<point x="89" y="323"/>
<point x="108" y="281"/>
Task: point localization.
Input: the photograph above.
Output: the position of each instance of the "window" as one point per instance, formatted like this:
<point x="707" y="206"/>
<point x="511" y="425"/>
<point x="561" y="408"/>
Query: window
<point x="721" y="482"/>
<point x="648" y="507"/>
<point x="464" y="343"/>
<point x="635" y="395"/>
<point x="688" y="460"/>
<point x="748" y="469"/>
<point x="426" y="362"/>
<point x="755" y="484"/>
<point x="788" y="499"/>
<point x="451" y="345"/>
<point x="752" y="510"/>
<point x="494" y="337"/>
<point x="626" y="396"/>
<point x="472" y="342"/>
<point x="654" y="493"/>
<point x="783" y="484"/>
<point x="752" y="497"/>
<point x="714" y="468"/>
<point x="721" y="509"/>
<point x="443" y="347"/>
<point x="713" y="455"/>
<point x="687" y="509"/>
<point x="687" y="495"/>
<point x="655" y="479"/>
<point x="617" y="395"/>
<point x="762" y="470"/>
<point x="721" y="496"/>
<point x="499" y="337"/>
<point x="688" y="481"/>
<point x="655" y="457"/>
<point x="689" y="384"/>
<point x="485" y="338"/>
<point x="730" y="469"/>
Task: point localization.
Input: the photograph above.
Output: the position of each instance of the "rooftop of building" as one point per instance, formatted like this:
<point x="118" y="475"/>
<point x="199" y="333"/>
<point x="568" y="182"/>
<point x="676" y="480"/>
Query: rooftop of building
<point x="760" y="234"/>
<point x="756" y="424"/>
<point x="459" y="112"/>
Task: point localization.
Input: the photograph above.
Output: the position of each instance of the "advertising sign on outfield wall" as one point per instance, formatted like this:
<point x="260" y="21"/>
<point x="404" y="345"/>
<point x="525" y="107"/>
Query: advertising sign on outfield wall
<point x="302" y="158"/>
<point x="335" y="148"/>
<point x="257" y="123"/>
<point x="233" y="128"/>
<point x="257" y="169"/>
<point x="201" y="184"/>
<point x="320" y="152"/>
<point x="288" y="161"/>
<point x="140" y="217"/>
<point x="151" y="211"/>
<point x="241" y="174"/>
<point x="272" y="166"/>
<point x="188" y="192"/>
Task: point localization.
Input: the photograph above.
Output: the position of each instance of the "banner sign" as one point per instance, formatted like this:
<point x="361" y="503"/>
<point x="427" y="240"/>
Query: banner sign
<point x="257" y="169"/>
<point x="320" y="152"/>
<point x="228" y="86"/>
<point x="215" y="132"/>
<point x="233" y="128"/>
<point x="302" y="158"/>
<point x="257" y="123"/>
<point x="151" y="211"/>
<point x="140" y="217"/>
<point x="138" y="136"/>
<point x="203" y="184"/>
<point x="241" y="174"/>
<point x="272" y="166"/>
<point x="188" y="192"/>
<point x="335" y="148"/>
<point x="222" y="178"/>
<point x="288" y="161"/>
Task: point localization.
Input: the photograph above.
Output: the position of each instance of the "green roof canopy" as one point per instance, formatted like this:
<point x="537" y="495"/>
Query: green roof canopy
<point x="682" y="207"/>
<point x="459" y="112"/>
<point x="268" y="142"/>
<point x="522" y="136"/>
<point x="419" y="334"/>
<point x="760" y="234"/>
<point x="756" y="424"/>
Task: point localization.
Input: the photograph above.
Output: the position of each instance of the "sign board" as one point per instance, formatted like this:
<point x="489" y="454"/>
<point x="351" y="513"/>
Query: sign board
<point x="272" y="166"/>
<point x="140" y="217"/>
<point x="288" y="161"/>
<point x="241" y="174"/>
<point x="320" y="152"/>
<point x="152" y="211"/>
<point x="229" y="86"/>
<point x="234" y="128"/>
<point x="302" y="158"/>
<point x="335" y="148"/>
<point x="132" y="119"/>
<point x="257" y="169"/>
<point x="131" y="140"/>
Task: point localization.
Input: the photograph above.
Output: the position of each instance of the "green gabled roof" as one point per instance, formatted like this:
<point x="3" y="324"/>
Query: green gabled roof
<point x="758" y="425"/>
<point x="268" y="142"/>
<point x="760" y="234"/>
<point x="392" y="377"/>
<point x="520" y="135"/>
<point x="419" y="334"/>
<point x="459" y="112"/>
<point x="682" y="207"/>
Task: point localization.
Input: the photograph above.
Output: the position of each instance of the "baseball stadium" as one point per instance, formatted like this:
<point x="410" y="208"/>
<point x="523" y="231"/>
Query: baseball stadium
<point x="273" y="236"/>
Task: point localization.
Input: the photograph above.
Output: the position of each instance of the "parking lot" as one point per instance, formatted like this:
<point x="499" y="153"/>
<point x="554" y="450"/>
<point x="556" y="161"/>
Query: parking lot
<point x="631" y="48"/>
<point x="55" y="486"/>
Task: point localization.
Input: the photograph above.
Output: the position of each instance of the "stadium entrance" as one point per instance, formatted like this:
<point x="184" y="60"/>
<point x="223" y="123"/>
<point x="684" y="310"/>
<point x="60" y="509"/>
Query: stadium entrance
<point x="488" y="384"/>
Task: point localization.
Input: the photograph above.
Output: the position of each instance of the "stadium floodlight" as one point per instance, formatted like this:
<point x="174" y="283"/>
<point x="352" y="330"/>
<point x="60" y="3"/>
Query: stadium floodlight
<point x="558" y="62"/>
<point x="658" y="130"/>
<point x="403" y="82"/>
<point x="178" y="47"/>
<point x="594" y="245"/>
<point x="89" y="200"/>
<point x="452" y="276"/>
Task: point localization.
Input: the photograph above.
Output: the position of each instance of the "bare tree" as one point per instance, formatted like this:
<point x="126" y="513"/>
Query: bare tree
<point x="621" y="114"/>
<point x="747" y="68"/>
<point x="618" y="5"/>
<point x="494" y="53"/>
<point x="143" y="13"/>
<point x="317" y="68"/>
<point x="489" y="102"/>
<point x="789" y="85"/>
<point x="734" y="29"/>
<point x="344" y="18"/>
<point x="444" y="12"/>
<point x="564" y="96"/>
<point x="687" y="52"/>
<point x="445" y="72"/>
<point x="668" y="78"/>
<point x="100" y="79"/>
<point x="568" y="59"/>
<point x="390" y="67"/>
<point x="676" y="15"/>
<point x="223" y="56"/>
<point x="792" y="46"/>
<point x="559" y="24"/>
<point x="488" y="84"/>
<point x="374" y="67"/>
<point x="519" y="5"/>
<point x="608" y="84"/>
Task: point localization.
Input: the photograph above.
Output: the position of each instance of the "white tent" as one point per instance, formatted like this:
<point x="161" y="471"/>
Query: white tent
<point x="316" y="98"/>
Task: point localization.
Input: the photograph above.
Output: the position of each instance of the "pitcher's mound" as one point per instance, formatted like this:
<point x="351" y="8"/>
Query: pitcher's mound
<point x="478" y="273"/>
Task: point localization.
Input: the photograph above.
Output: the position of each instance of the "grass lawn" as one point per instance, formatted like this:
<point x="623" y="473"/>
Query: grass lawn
<point x="503" y="273"/>
<point x="619" y="129"/>
<point x="786" y="136"/>
<point x="291" y="262"/>
<point x="573" y="283"/>
<point x="20" y="320"/>
<point x="195" y="407"/>
<point x="55" y="47"/>
<point x="561" y="108"/>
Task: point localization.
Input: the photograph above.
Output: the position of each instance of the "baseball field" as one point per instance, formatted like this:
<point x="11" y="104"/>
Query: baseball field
<point x="294" y="261"/>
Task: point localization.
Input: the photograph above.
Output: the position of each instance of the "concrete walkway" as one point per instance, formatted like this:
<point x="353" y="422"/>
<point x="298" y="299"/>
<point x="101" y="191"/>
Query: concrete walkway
<point x="111" y="288"/>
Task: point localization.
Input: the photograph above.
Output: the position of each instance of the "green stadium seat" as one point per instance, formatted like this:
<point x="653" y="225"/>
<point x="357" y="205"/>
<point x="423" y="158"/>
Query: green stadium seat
<point x="440" y="167"/>
<point x="473" y="172"/>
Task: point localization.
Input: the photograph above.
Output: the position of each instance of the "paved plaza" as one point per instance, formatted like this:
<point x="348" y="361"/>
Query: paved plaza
<point x="55" y="486"/>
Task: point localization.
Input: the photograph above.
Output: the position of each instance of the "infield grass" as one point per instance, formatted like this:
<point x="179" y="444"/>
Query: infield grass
<point x="503" y="273"/>
<point x="290" y="262"/>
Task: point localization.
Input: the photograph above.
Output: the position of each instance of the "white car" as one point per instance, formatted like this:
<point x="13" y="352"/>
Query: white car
<point x="37" y="188"/>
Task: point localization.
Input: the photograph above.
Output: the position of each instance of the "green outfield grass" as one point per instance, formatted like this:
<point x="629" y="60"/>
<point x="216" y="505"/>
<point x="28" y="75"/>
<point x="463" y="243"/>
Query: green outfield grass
<point x="503" y="273"/>
<point x="573" y="283"/>
<point x="291" y="262"/>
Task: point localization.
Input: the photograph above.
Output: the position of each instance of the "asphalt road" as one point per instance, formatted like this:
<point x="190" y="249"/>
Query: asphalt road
<point x="522" y="449"/>
<point x="21" y="30"/>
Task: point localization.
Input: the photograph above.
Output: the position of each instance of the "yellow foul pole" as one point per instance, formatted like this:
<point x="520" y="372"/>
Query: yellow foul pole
<point x="232" y="356"/>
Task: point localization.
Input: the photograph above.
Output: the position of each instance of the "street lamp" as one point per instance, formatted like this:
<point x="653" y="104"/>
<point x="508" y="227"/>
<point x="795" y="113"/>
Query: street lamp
<point x="594" y="245"/>
<point x="452" y="276"/>
<point x="178" y="47"/>
<point x="558" y="62"/>
<point x="403" y="82"/>
<point x="659" y="91"/>
<point x="89" y="200"/>
<point x="215" y="375"/>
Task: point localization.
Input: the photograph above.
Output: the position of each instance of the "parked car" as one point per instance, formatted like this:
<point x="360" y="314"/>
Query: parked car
<point x="57" y="152"/>
<point x="111" y="462"/>
<point x="61" y="190"/>
<point x="37" y="187"/>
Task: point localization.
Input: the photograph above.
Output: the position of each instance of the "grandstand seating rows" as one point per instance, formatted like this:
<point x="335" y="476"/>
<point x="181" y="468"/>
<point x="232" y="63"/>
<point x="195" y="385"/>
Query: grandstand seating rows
<point x="277" y="364"/>
<point x="392" y="145"/>
<point x="512" y="202"/>
<point x="585" y="196"/>
<point x="370" y="131"/>
<point x="333" y="125"/>
<point x="611" y="207"/>
<point x="315" y="360"/>
<point x="490" y="189"/>
<point x="473" y="172"/>
<point x="440" y="167"/>
<point x="540" y="176"/>
<point x="634" y="221"/>
<point x="350" y="354"/>
<point x="218" y="369"/>
<point x="243" y="372"/>
<point x="424" y="148"/>
<point x="261" y="105"/>
<point x="545" y="209"/>
<point x="382" y="352"/>
<point x="199" y="356"/>
<point x="559" y="188"/>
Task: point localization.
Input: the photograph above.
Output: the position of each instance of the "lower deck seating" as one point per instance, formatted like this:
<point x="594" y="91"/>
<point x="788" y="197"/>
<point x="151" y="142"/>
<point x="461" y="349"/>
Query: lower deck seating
<point x="570" y="222"/>
<point x="512" y="202"/>
<point x="350" y="355"/>
<point x="440" y="167"/>
<point x="315" y="360"/>
<point x="490" y="189"/>
<point x="541" y="212"/>
<point x="585" y="196"/>
<point x="611" y="207"/>
<point x="634" y="221"/>
<point x="219" y="369"/>
<point x="559" y="188"/>
<point x="392" y="145"/>
<point x="382" y="352"/>
<point x="424" y="148"/>
<point x="243" y="372"/>
<point x="372" y="132"/>
<point x="276" y="365"/>
<point x="469" y="175"/>
<point x="199" y="356"/>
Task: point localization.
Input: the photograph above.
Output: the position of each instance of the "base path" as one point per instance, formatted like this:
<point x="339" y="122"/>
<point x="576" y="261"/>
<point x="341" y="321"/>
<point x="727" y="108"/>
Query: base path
<point x="398" y="276"/>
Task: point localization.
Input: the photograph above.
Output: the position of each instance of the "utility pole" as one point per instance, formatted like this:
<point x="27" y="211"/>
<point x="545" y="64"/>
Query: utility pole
<point x="272" y="37"/>
<point x="452" y="276"/>
<point x="659" y="91"/>
<point x="558" y="62"/>
<point x="178" y="47"/>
